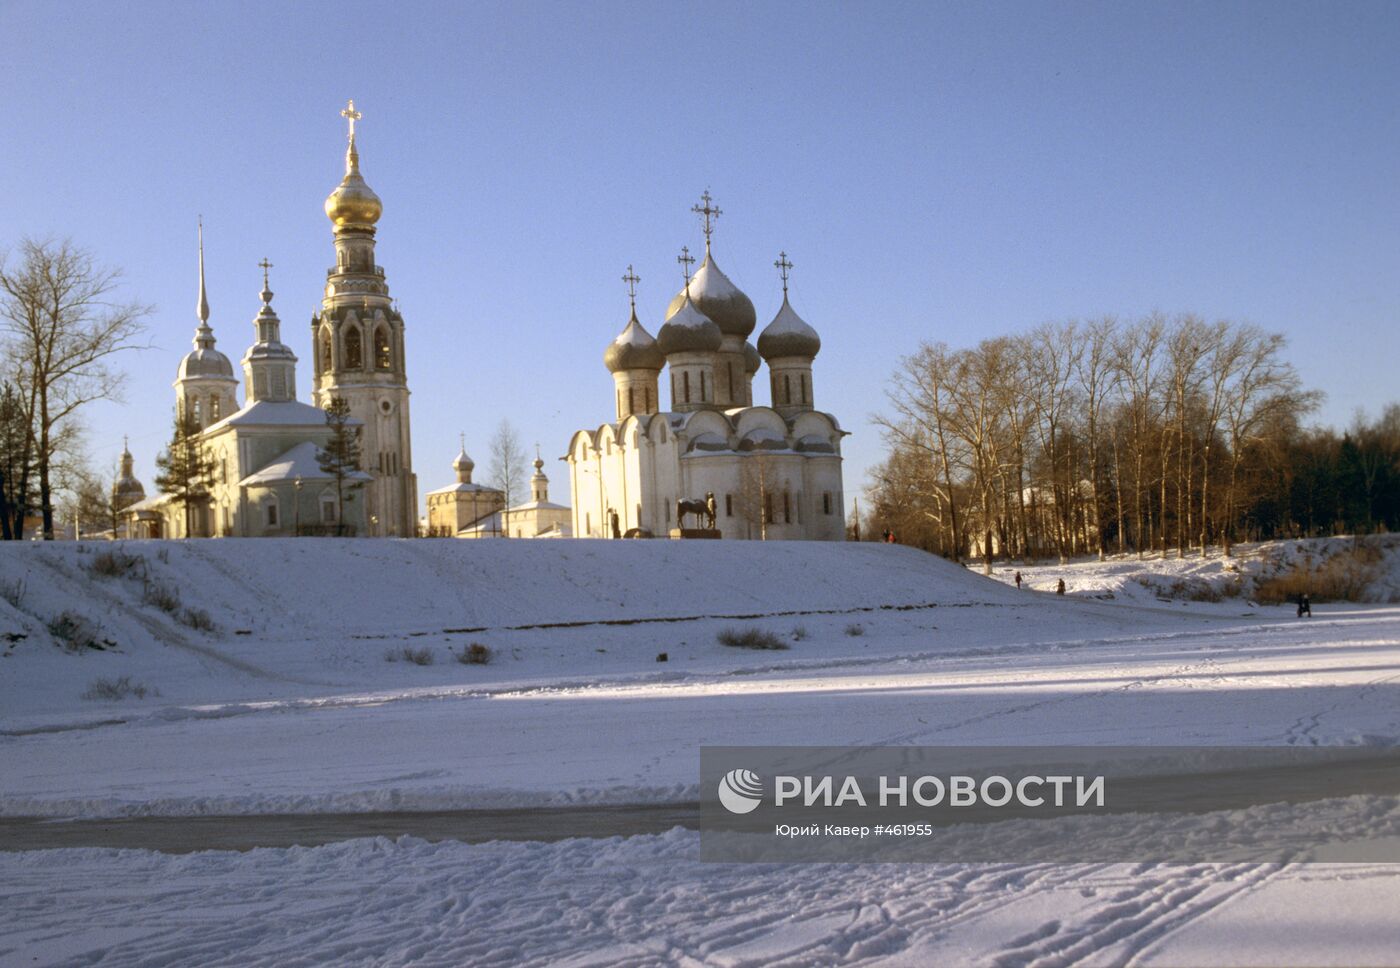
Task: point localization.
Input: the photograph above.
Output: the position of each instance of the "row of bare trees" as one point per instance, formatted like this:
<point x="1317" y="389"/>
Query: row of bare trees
<point x="60" y="325"/>
<point x="1084" y="437"/>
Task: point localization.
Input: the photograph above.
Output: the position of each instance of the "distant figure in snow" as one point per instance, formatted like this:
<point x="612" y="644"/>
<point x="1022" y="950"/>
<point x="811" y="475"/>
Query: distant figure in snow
<point x="889" y="536"/>
<point x="1060" y="588"/>
<point x="612" y="520"/>
<point x="1018" y="579"/>
<point x="886" y="537"/>
<point x="1304" y="606"/>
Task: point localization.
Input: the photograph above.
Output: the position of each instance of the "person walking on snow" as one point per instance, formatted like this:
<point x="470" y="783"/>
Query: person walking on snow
<point x="1018" y="580"/>
<point x="1304" y="605"/>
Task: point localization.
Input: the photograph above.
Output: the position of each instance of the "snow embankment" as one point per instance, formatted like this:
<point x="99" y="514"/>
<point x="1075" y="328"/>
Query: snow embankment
<point x="1354" y="569"/>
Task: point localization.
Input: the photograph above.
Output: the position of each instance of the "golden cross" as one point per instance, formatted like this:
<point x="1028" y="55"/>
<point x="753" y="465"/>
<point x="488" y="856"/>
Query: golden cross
<point x="632" y="279"/>
<point x="352" y="115"/>
<point x="709" y="214"/>
<point x="686" y="260"/>
<point x="463" y="438"/>
<point x="783" y="266"/>
<point x="265" y="266"/>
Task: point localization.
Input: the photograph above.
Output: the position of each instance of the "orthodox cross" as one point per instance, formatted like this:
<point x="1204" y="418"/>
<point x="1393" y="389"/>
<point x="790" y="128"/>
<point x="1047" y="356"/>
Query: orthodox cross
<point x="686" y="260"/>
<point x="784" y="267"/>
<point x="265" y="266"/>
<point x="353" y="116"/>
<point x="709" y="214"/>
<point x="463" y="438"/>
<point x="632" y="279"/>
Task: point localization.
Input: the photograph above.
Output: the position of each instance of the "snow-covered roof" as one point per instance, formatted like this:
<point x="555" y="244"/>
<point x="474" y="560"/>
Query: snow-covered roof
<point x="462" y="489"/>
<point x="153" y="503"/>
<point x="537" y="506"/>
<point x="299" y="462"/>
<point x="276" y="413"/>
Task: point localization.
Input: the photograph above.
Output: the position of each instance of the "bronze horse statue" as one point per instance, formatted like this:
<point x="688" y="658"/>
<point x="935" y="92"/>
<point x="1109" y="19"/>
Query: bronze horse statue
<point x="699" y="509"/>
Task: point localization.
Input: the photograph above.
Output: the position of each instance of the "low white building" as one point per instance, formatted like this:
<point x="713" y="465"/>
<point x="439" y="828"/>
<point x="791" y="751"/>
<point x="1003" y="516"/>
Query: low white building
<point x="774" y="471"/>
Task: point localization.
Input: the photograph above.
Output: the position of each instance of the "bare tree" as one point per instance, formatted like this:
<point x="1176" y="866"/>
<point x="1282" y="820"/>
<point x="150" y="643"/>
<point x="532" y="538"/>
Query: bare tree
<point x="506" y="471"/>
<point x="62" y="329"/>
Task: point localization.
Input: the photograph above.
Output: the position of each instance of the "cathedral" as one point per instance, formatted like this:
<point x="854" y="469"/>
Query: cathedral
<point x="765" y="472"/>
<point x="267" y="475"/>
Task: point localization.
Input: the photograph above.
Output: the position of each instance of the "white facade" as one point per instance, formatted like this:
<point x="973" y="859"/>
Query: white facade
<point x="774" y="472"/>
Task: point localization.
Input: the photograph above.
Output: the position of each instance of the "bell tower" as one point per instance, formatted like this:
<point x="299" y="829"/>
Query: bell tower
<point x="358" y="350"/>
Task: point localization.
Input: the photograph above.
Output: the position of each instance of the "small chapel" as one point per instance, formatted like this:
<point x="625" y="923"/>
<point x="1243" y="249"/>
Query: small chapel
<point x="767" y="472"/>
<point x="267" y="475"/>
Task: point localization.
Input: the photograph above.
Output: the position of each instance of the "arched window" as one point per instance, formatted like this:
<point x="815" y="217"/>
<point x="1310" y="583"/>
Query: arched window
<point x="325" y="350"/>
<point x="805" y="397"/>
<point x="198" y="413"/>
<point x="214" y="408"/>
<point x="354" y="352"/>
<point x="787" y="388"/>
<point x="382" y="358"/>
<point x="685" y="383"/>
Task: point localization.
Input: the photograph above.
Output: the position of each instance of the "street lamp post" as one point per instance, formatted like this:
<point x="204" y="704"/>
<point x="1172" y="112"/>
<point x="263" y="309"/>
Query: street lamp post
<point x="296" y="516"/>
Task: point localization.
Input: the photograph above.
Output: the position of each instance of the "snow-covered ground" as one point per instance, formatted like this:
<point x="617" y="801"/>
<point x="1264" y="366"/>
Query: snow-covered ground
<point x="886" y="646"/>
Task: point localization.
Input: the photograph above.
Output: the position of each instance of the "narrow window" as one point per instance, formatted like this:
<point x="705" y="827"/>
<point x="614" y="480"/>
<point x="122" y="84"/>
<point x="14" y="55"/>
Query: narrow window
<point x="588" y="524"/>
<point x="354" y="352"/>
<point x="729" y="505"/>
<point x="805" y="397"/>
<point x="382" y="356"/>
<point x="787" y="388"/>
<point x="272" y="514"/>
<point x="198" y="413"/>
<point x="685" y="381"/>
<point x="325" y="350"/>
<point x="787" y="508"/>
<point x="704" y="390"/>
<point x="213" y="409"/>
<point x="826" y="502"/>
<point x="733" y="388"/>
<point x="328" y="510"/>
<point x="768" y="508"/>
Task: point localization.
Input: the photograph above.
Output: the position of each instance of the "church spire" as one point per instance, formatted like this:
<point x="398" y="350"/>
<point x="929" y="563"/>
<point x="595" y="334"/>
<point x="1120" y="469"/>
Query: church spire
<point x="203" y="308"/>
<point x="203" y="334"/>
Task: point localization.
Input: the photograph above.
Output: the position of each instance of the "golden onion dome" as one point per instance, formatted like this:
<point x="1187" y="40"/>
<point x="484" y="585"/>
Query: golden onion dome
<point x="353" y="202"/>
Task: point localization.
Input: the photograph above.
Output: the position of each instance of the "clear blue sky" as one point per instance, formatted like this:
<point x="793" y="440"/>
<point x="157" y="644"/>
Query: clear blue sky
<point x="944" y="171"/>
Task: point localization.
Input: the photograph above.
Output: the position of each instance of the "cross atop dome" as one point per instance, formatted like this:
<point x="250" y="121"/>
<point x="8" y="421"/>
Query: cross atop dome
<point x="686" y="260"/>
<point x="351" y="115"/>
<point x="784" y="267"/>
<point x="265" y="265"/>
<point x="709" y="214"/>
<point x="631" y="278"/>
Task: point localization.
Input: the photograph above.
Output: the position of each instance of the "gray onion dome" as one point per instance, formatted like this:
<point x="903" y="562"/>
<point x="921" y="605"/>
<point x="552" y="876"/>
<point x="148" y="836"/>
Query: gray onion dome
<point x="718" y="298"/>
<point x="752" y="361"/>
<point x="788" y="336"/>
<point x="205" y="361"/>
<point x="687" y="330"/>
<point x="634" y="349"/>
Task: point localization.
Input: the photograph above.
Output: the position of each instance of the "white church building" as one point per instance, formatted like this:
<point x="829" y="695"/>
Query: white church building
<point x="267" y="478"/>
<point x="774" y="471"/>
